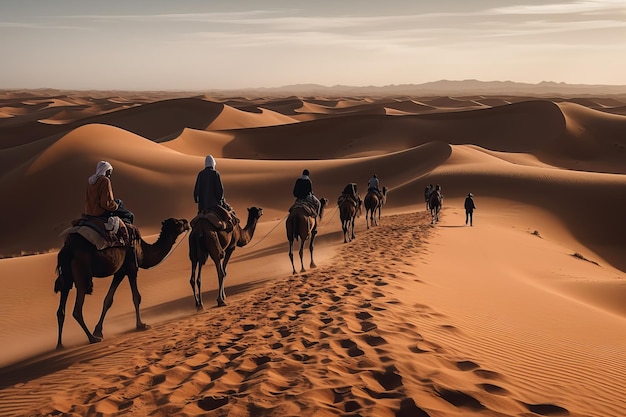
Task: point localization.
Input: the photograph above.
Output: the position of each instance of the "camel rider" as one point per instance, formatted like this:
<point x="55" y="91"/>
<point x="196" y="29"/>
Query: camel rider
<point x="350" y="191"/>
<point x="209" y="191"/>
<point x="99" y="200"/>
<point x="100" y="203"/>
<point x="437" y="192"/>
<point x="303" y="191"/>
<point x="373" y="185"/>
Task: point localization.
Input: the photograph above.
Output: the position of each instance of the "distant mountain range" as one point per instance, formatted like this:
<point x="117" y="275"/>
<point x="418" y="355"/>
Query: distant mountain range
<point x="447" y="87"/>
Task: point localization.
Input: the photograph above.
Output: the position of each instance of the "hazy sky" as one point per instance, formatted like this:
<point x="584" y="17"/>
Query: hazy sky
<point x="214" y="44"/>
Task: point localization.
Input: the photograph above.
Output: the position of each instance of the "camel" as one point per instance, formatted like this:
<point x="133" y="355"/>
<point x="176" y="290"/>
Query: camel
<point x="348" y="211"/>
<point x="435" y="201"/>
<point x="205" y="241"/>
<point x="79" y="261"/>
<point x="373" y="207"/>
<point x="301" y="225"/>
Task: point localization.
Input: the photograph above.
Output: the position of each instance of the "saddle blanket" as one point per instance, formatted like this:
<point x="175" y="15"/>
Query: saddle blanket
<point x="308" y="205"/>
<point x="101" y="235"/>
<point x="220" y="218"/>
<point x="92" y="236"/>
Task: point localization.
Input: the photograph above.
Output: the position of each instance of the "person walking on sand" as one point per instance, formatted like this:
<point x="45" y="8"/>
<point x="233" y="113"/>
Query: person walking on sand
<point x="469" y="209"/>
<point x="99" y="199"/>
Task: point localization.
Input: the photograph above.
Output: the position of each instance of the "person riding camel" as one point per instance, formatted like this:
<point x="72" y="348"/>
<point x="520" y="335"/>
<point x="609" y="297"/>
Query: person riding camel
<point x="99" y="199"/>
<point x="351" y="192"/>
<point x="303" y="191"/>
<point x="101" y="204"/>
<point x="208" y="192"/>
<point x="437" y="192"/>
<point x="374" y="185"/>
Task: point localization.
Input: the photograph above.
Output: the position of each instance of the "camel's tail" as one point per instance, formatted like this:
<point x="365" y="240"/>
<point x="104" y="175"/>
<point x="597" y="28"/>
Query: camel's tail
<point x="63" y="270"/>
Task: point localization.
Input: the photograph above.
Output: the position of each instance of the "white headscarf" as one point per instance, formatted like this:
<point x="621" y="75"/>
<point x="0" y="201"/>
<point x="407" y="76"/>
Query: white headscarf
<point x="209" y="161"/>
<point x="101" y="169"/>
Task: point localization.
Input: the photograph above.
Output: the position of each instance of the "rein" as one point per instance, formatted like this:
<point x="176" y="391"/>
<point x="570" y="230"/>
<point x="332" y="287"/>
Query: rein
<point x="172" y="250"/>
<point x="331" y="217"/>
<point x="267" y="234"/>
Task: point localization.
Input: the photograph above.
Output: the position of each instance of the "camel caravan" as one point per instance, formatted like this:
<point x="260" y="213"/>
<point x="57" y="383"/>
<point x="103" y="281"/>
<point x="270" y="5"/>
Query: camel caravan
<point x="104" y="241"/>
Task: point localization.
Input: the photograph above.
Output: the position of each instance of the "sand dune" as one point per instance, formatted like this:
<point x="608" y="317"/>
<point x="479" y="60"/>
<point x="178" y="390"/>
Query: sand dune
<point x="521" y="314"/>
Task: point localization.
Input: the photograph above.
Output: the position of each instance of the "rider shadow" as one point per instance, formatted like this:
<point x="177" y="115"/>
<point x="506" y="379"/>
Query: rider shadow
<point x="454" y="226"/>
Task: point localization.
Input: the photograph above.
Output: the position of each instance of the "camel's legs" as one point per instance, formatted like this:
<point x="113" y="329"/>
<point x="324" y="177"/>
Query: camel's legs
<point x="352" y="227"/>
<point x="346" y="232"/>
<point x="291" y="256"/>
<point x="108" y="302"/>
<point x="313" y="233"/>
<point x="199" y="303"/>
<point x="220" y="280"/>
<point x="78" y="315"/>
<point x="367" y="214"/>
<point x="193" y="281"/>
<point x="301" y="253"/>
<point x="61" y="315"/>
<point x="227" y="253"/>
<point x="222" y="291"/>
<point x="132" y="279"/>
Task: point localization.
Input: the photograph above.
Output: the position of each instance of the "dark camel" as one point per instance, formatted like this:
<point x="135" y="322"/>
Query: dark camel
<point x="348" y="211"/>
<point x="373" y="206"/>
<point x="435" y="201"/>
<point x="206" y="241"/>
<point x="79" y="261"/>
<point x="301" y="225"/>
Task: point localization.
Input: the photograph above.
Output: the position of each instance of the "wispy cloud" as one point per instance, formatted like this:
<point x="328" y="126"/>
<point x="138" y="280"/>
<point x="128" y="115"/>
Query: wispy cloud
<point x="574" y="7"/>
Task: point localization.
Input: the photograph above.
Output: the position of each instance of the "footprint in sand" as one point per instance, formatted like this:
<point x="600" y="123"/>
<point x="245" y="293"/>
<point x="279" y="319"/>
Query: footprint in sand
<point x="493" y="389"/>
<point x="459" y="399"/>
<point x="546" y="409"/>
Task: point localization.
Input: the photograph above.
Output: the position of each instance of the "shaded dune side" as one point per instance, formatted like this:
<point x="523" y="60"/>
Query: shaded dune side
<point x="592" y="141"/>
<point x="200" y="142"/>
<point x="231" y="118"/>
<point x="156" y="121"/>
<point x="151" y="180"/>
<point x="521" y="127"/>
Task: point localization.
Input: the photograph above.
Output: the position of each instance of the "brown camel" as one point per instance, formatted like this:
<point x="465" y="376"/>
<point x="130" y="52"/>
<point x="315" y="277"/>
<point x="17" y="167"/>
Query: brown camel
<point x="301" y="225"/>
<point x="348" y="211"/>
<point x="373" y="206"/>
<point x="79" y="261"/>
<point x="435" y="202"/>
<point x="205" y="240"/>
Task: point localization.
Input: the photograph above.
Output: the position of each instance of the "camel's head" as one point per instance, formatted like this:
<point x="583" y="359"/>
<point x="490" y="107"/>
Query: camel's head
<point x="255" y="212"/>
<point x="174" y="226"/>
<point x="323" y="202"/>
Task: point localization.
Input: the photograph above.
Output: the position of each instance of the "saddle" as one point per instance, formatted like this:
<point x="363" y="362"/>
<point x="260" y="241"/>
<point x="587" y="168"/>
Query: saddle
<point x="219" y="217"/>
<point x="354" y="199"/>
<point x="104" y="234"/>
<point x="308" y="205"/>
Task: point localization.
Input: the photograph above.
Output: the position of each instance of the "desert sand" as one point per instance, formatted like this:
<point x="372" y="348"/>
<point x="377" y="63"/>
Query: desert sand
<point x="521" y="314"/>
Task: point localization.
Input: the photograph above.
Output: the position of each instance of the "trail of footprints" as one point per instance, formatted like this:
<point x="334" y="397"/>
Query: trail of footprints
<point x="294" y="353"/>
